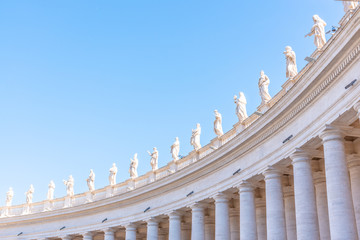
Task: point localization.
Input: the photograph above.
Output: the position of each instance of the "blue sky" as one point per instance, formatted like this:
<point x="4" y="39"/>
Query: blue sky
<point x="84" y="84"/>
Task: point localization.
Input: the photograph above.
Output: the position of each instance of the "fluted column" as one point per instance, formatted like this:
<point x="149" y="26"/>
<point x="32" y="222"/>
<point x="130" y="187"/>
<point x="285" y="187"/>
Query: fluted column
<point x="260" y="218"/>
<point x="275" y="213"/>
<point x="354" y="169"/>
<point x="341" y="209"/>
<point x="152" y="229"/>
<point x="174" y="226"/>
<point x="290" y="215"/>
<point x="222" y="226"/>
<point x="87" y="236"/>
<point x="109" y="234"/>
<point x="322" y="205"/>
<point x="198" y="222"/>
<point x="248" y="229"/>
<point x="209" y="228"/>
<point x="234" y="218"/>
<point x="306" y="215"/>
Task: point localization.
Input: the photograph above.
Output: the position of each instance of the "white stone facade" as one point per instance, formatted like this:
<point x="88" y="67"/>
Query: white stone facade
<point x="299" y="173"/>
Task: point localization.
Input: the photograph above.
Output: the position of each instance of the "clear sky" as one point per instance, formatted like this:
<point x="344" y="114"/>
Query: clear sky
<point x="87" y="83"/>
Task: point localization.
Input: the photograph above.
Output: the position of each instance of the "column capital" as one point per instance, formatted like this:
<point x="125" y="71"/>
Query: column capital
<point x="300" y="155"/>
<point x="174" y="215"/>
<point x="108" y="230"/>
<point x="66" y="237"/>
<point x="152" y="220"/>
<point x="319" y="177"/>
<point x="221" y="197"/>
<point x="130" y="226"/>
<point x="331" y="133"/>
<point x="198" y="206"/>
<point x="87" y="234"/>
<point x="272" y="172"/>
<point x="353" y="160"/>
<point x="245" y="186"/>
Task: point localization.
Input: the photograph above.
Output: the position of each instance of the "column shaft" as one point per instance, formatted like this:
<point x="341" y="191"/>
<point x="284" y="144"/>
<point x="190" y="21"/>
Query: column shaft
<point x="290" y="215"/>
<point x="354" y="169"/>
<point x="198" y="222"/>
<point x="152" y="230"/>
<point x="234" y="224"/>
<point x="341" y="209"/>
<point x="209" y="230"/>
<point x="248" y="230"/>
<point x="222" y="226"/>
<point x="275" y="213"/>
<point x="174" y="226"/>
<point x="109" y="234"/>
<point x="261" y="219"/>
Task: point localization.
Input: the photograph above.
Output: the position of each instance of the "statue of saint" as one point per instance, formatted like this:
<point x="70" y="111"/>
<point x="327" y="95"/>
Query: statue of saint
<point x="241" y="107"/>
<point x="9" y="197"/>
<point x="112" y="177"/>
<point x="349" y="5"/>
<point x="91" y="181"/>
<point x="51" y="189"/>
<point x="195" y="137"/>
<point x="29" y="194"/>
<point x="154" y="159"/>
<point x="175" y="149"/>
<point x="133" y="167"/>
<point x="264" y="82"/>
<point x="69" y="186"/>
<point x="218" y="124"/>
<point x="319" y="31"/>
<point x="291" y="68"/>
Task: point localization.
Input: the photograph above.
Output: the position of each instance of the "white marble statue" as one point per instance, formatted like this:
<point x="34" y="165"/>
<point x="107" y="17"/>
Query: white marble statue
<point x="241" y="107"/>
<point x="112" y="176"/>
<point x="9" y="197"/>
<point x="349" y="5"/>
<point x="69" y="186"/>
<point x="218" y="124"/>
<point x="51" y="189"/>
<point x="264" y="82"/>
<point x="291" y="68"/>
<point x="195" y="137"/>
<point x="91" y="181"/>
<point x="154" y="159"/>
<point x="133" y="167"/>
<point x="29" y="194"/>
<point x="175" y="149"/>
<point x="319" y="31"/>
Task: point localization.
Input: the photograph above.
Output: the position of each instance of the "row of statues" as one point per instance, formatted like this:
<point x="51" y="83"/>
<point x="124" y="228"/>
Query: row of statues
<point x="318" y="30"/>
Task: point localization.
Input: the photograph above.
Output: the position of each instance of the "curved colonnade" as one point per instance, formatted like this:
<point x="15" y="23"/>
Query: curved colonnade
<point x="291" y="173"/>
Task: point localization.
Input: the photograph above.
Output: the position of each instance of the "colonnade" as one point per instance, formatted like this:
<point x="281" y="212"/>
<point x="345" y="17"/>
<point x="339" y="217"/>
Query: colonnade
<point x="308" y="198"/>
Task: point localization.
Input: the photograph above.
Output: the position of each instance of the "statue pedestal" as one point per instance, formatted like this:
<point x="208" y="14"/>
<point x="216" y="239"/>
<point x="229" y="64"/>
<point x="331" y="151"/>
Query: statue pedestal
<point x="48" y="205"/>
<point x="131" y="184"/>
<point x="216" y="143"/>
<point x="288" y="84"/>
<point x="26" y="210"/>
<point x="152" y="176"/>
<point x="263" y="108"/>
<point x="110" y="191"/>
<point x="5" y="212"/>
<point x="68" y="201"/>
<point x="240" y="126"/>
<point x="196" y="156"/>
<point x="172" y="167"/>
<point x="89" y="197"/>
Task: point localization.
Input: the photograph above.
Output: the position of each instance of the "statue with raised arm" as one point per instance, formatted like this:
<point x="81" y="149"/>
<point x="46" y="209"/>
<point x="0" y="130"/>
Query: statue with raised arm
<point x="218" y="124"/>
<point x="9" y="197"/>
<point x="175" y="150"/>
<point x="240" y="102"/>
<point x="133" y="167"/>
<point x="264" y="82"/>
<point x="350" y="5"/>
<point x="51" y="189"/>
<point x="154" y="159"/>
<point x="291" y="68"/>
<point x="69" y="186"/>
<point x="195" y="137"/>
<point x="112" y="176"/>
<point x="29" y="194"/>
<point x="91" y="181"/>
<point x="318" y="30"/>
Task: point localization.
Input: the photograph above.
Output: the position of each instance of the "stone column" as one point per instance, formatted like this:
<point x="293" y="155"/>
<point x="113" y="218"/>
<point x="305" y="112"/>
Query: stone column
<point x="260" y="218"/>
<point x="322" y="205"/>
<point x="174" y="226"/>
<point x="87" y="236"/>
<point x="234" y="218"/>
<point x="209" y="228"/>
<point x="222" y="226"/>
<point x="198" y="222"/>
<point x="130" y="232"/>
<point x="109" y="234"/>
<point x="306" y="215"/>
<point x="185" y="231"/>
<point x="248" y="229"/>
<point x="341" y="209"/>
<point x="290" y="216"/>
<point x="354" y="169"/>
<point x="152" y="229"/>
<point x="275" y="213"/>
